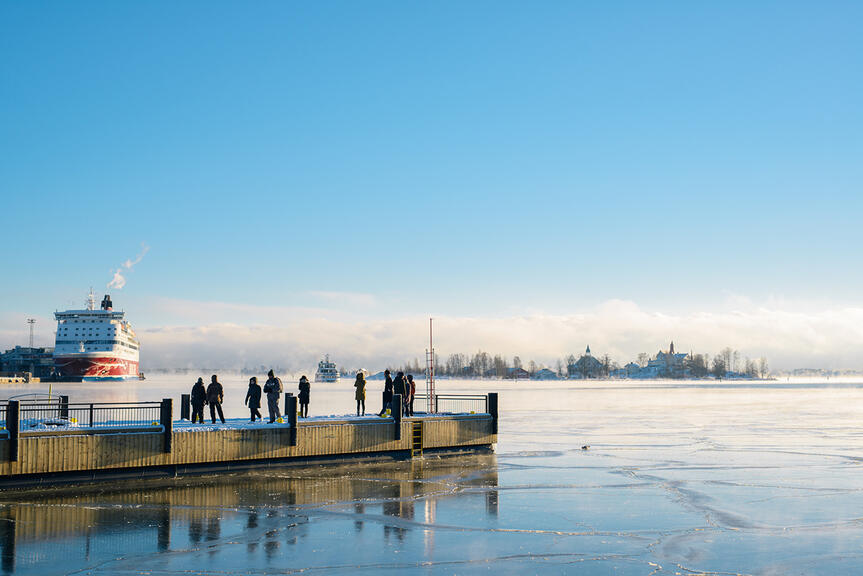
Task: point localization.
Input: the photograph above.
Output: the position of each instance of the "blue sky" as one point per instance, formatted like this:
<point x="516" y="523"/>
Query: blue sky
<point x="462" y="159"/>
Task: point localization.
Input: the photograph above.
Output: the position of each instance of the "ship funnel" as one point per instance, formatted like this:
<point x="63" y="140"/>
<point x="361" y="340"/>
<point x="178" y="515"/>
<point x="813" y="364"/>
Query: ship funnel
<point x="106" y="303"/>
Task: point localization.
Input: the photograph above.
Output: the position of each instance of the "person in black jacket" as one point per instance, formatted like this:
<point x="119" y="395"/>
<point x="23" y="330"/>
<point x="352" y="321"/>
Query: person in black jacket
<point x="388" y="393"/>
<point x="253" y="398"/>
<point x="215" y="395"/>
<point x="305" y="389"/>
<point x="273" y="389"/>
<point x="199" y="398"/>
<point x="400" y="386"/>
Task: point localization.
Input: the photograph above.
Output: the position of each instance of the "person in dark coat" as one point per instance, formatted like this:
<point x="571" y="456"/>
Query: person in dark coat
<point x="360" y="394"/>
<point x="400" y="387"/>
<point x="253" y="398"/>
<point x="412" y="391"/>
<point x="388" y="393"/>
<point x="199" y="398"/>
<point x="215" y="396"/>
<point x="273" y="389"/>
<point x="305" y="390"/>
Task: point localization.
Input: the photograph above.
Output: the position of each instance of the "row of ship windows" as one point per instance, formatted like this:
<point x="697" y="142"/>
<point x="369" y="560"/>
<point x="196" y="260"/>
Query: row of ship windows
<point x="112" y="342"/>
<point x="84" y="322"/>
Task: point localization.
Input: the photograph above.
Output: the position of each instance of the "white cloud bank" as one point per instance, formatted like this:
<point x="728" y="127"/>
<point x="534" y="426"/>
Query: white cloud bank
<point x="296" y="338"/>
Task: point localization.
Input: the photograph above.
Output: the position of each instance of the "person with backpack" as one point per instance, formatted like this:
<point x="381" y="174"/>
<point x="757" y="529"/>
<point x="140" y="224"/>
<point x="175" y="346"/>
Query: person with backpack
<point x="273" y="389"/>
<point x="215" y="396"/>
<point x="253" y="398"/>
<point x="305" y="390"/>
<point x="198" y="399"/>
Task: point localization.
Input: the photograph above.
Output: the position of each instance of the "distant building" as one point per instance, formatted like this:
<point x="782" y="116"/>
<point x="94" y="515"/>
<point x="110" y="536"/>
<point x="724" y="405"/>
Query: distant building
<point x="517" y="374"/>
<point x="545" y="374"/>
<point x="37" y="361"/>
<point x="586" y="367"/>
<point x="665" y="365"/>
<point x="631" y="370"/>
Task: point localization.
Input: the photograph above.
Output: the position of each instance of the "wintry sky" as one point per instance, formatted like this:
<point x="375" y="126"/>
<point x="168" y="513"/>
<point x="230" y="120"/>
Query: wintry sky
<point x="323" y="176"/>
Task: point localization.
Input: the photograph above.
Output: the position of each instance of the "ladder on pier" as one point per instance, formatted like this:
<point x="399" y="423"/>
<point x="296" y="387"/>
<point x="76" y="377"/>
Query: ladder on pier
<point x="416" y="439"/>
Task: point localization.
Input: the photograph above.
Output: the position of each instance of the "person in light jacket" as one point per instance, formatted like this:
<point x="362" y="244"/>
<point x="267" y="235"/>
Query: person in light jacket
<point x="215" y="396"/>
<point x="253" y="398"/>
<point x="198" y="399"/>
<point x="273" y="389"/>
<point x="360" y="393"/>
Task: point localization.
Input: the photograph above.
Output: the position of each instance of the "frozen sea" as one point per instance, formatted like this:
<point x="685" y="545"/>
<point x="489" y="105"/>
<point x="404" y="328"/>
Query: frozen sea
<point x="679" y="478"/>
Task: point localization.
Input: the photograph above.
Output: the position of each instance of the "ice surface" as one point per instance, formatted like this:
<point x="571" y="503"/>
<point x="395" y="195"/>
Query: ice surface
<point x="679" y="478"/>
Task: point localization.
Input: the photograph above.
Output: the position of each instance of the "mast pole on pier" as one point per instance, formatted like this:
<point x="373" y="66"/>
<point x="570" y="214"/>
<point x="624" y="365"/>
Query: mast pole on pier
<point x="430" y="372"/>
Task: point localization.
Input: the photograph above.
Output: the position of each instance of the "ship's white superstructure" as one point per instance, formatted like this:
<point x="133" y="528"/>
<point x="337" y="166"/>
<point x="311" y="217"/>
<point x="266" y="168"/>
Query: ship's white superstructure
<point x="95" y="344"/>
<point x="327" y="371"/>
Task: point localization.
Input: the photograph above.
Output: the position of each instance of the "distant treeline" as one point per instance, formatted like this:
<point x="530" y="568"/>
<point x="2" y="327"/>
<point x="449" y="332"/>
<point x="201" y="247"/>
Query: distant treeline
<point x="727" y="362"/>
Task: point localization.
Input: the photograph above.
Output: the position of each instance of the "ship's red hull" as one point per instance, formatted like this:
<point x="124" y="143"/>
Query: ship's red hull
<point x="95" y="367"/>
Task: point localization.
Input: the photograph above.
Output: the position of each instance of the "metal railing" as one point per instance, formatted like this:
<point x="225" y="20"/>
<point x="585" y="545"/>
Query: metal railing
<point x="455" y="403"/>
<point x="28" y="399"/>
<point x="63" y="415"/>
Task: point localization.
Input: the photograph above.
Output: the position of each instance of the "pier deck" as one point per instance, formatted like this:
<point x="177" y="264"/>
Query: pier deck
<point x="37" y="457"/>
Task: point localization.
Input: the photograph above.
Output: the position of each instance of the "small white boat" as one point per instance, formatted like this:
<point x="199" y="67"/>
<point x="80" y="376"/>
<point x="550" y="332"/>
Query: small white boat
<point x="327" y="371"/>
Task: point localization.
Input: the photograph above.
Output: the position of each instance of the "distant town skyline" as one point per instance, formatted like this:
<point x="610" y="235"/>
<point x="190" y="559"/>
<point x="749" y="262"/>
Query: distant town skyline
<point x="286" y="180"/>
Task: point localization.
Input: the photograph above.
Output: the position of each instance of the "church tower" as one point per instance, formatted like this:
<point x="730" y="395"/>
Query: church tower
<point x="671" y="350"/>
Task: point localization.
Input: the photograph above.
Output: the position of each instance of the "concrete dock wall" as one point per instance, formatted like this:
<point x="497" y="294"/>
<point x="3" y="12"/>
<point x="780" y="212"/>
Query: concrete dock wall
<point x="58" y="453"/>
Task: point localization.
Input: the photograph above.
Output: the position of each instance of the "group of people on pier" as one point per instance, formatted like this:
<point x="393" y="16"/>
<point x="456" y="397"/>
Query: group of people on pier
<point x="402" y="385"/>
<point x="214" y="395"/>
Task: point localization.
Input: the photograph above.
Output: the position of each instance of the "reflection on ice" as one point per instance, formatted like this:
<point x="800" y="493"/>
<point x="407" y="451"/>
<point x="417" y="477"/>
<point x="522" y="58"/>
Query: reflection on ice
<point x="679" y="479"/>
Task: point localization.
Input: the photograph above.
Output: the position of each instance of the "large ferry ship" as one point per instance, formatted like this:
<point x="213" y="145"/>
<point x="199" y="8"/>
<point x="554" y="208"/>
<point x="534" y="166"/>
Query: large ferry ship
<point x="95" y="344"/>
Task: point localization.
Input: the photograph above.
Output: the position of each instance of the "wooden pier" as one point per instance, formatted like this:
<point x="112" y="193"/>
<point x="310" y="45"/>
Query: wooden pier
<point x="45" y="457"/>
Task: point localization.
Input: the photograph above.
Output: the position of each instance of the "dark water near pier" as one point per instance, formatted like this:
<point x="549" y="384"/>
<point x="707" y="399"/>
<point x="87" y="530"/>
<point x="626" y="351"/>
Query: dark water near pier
<point x="679" y="478"/>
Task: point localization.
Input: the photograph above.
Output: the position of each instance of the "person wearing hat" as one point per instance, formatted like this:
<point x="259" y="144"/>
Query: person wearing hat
<point x="360" y="394"/>
<point x="198" y="399"/>
<point x="305" y="390"/>
<point x="273" y="389"/>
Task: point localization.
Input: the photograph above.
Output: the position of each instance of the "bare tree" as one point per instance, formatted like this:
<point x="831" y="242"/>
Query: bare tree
<point x="726" y="354"/>
<point x="762" y="367"/>
<point x="719" y="367"/>
<point x="642" y="359"/>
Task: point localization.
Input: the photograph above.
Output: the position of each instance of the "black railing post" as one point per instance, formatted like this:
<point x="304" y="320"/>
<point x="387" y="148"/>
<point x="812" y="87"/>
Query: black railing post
<point x="185" y="406"/>
<point x="397" y="415"/>
<point x="13" y="424"/>
<point x="64" y="407"/>
<point x="492" y="409"/>
<point x="291" y="413"/>
<point x="434" y="403"/>
<point x="166" y="418"/>
<point x="91" y="415"/>
<point x="286" y="410"/>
